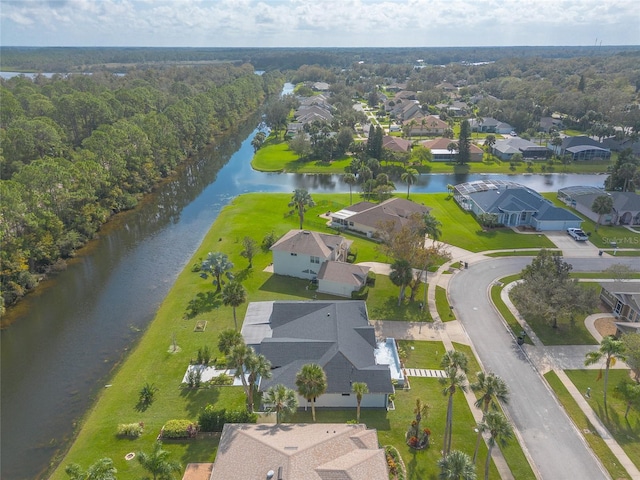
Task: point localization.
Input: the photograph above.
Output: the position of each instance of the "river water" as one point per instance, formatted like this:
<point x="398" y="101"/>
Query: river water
<point x="66" y="339"/>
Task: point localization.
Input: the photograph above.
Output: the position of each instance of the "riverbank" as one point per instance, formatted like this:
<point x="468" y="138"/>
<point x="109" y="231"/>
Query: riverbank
<point x="275" y="156"/>
<point x="171" y="340"/>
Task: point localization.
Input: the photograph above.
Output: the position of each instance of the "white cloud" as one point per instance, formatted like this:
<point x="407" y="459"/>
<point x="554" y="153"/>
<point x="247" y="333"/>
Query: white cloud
<point x="318" y="23"/>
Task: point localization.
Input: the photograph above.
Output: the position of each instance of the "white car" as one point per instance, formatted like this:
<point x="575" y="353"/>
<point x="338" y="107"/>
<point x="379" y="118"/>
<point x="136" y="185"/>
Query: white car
<point x="577" y="234"/>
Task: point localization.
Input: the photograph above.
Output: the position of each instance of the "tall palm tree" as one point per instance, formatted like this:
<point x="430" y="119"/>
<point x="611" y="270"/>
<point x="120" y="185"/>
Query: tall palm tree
<point x="409" y="176"/>
<point x="611" y="349"/>
<point x="401" y="274"/>
<point x="311" y="382"/>
<point x="234" y="295"/>
<point x="602" y="205"/>
<point x="359" y="388"/>
<point x="281" y="400"/>
<point x="431" y="226"/>
<point x="218" y="264"/>
<point x="500" y="431"/>
<point x="457" y="466"/>
<point x="256" y="365"/>
<point x="300" y="201"/>
<point x="455" y="366"/>
<point x="350" y="179"/>
<point x="492" y="389"/>
<point x="227" y="339"/>
<point x="157" y="463"/>
<point x="236" y="359"/>
<point x="627" y="171"/>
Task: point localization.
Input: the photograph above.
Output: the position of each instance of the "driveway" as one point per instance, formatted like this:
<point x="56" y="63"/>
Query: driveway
<point x="553" y="443"/>
<point x="570" y="247"/>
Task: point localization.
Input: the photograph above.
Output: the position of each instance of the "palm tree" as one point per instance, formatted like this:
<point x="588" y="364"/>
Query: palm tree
<point x="401" y="274"/>
<point x="300" y="201"/>
<point x="409" y="176"/>
<point x="431" y="226"/>
<point x="359" y="388"/>
<point x="452" y="147"/>
<point x="281" y="400"/>
<point x="455" y="366"/>
<point x="629" y="392"/>
<point x="234" y="295"/>
<point x="227" y="339"/>
<point x="627" y="171"/>
<point x="103" y="469"/>
<point x="350" y="179"/>
<point x="157" y="463"/>
<point x="457" y="466"/>
<point x="490" y="141"/>
<point x="611" y="349"/>
<point x="421" y="411"/>
<point x="218" y="264"/>
<point x="311" y="382"/>
<point x="492" y="389"/>
<point x="236" y="359"/>
<point x="500" y="431"/>
<point x="602" y="205"/>
<point x="256" y="365"/>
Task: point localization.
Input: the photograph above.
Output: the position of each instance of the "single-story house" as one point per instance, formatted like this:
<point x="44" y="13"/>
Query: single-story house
<point x="489" y="125"/>
<point x="582" y="148"/>
<point x="429" y="125"/>
<point x="626" y="205"/>
<point x="366" y="217"/>
<point x="396" y="144"/>
<point x="440" y="150"/>
<point x="550" y="123"/>
<point x="335" y="335"/>
<point x="320" y="86"/>
<point x="505" y="149"/>
<point x="318" y="256"/>
<point x="513" y="205"/>
<point x="319" y="451"/>
<point x="623" y="298"/>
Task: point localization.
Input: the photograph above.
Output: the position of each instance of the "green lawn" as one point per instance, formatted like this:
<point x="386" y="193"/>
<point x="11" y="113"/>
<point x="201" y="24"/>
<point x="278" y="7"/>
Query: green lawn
<point x="518" y="253"/>
<point x="496" y="298"/>
<point x="460" y="228"/>
<point x="596" y="443"/>
<point x="442" y="305"/>
<point x="625" y="431"/>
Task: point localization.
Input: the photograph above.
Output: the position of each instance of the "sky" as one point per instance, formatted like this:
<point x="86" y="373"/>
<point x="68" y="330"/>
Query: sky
<point x="319" y="23"/>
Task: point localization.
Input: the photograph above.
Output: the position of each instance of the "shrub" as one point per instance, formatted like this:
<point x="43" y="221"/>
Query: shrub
<point x="371" y="279"/>
<point x="212" y="420"/>
<point x="147" y="394"/>
<point x="268" y="241"/>
<point x="179" y="429"/>
<point x="204" y="355"/>
<point x="361" y="294"/>
<point x="194" y="377"/>
<point x="132" y="430"/>
<point x="222" y="379"/>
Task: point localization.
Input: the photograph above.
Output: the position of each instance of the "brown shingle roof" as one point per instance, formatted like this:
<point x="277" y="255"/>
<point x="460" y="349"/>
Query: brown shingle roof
<point x="301" y="451"/>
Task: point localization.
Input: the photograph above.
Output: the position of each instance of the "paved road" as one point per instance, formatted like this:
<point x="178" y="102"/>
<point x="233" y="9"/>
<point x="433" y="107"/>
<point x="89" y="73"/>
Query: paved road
<point x="552" y="441"/>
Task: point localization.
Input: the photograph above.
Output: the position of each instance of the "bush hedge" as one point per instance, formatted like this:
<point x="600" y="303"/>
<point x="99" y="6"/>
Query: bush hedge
<point x="212" y="420"/>
<point x="179" y="429"/>
<point x="132" y="430"/>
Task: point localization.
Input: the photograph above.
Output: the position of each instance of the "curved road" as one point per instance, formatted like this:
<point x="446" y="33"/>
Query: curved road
<point x="551" y="439"/>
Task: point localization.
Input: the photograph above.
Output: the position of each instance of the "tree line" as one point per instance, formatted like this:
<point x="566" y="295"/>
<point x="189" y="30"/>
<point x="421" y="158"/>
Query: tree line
<point x="78" y="148"/>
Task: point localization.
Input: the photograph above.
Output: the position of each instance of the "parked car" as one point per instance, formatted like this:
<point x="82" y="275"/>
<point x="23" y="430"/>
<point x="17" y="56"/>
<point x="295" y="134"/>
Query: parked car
<point x="577" y="234"/>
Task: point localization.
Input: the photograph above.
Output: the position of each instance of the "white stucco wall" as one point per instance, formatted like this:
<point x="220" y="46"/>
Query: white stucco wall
<point x="293" y="265"/>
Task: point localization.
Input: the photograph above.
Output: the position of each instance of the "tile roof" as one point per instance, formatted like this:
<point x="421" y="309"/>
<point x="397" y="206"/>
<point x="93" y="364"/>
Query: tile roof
<point x="299" y="452"/>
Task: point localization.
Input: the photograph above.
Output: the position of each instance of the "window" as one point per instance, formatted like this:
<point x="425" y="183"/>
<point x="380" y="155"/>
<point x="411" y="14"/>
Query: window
<point x="315" y="259"/>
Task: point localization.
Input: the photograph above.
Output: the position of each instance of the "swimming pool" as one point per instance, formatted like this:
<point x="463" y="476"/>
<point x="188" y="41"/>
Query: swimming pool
<point x="387" y="354"/>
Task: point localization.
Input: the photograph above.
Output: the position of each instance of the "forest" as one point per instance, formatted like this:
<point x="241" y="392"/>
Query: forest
<point x="78" y="148"/>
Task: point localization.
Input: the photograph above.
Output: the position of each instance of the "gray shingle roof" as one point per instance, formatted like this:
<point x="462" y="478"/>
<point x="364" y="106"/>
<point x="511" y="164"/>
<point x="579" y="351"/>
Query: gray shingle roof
<point x="335" y="335"/>
<point x="397" y="210"/>
<point x="310" y="243"/>
<point x="343" y="272"/>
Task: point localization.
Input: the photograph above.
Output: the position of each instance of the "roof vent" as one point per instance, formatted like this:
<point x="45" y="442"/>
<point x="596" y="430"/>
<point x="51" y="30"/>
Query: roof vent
<point x="270" y="474"/>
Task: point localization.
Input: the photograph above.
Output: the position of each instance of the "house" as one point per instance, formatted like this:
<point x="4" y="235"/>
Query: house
<point x="547" y="124"/>
<point x="626" y="205"/>
<point x="623" y="298"/>
<point x="489" y="125"/>
<point x="440" y="150"/>
<point x="366" y="217"/>
<point x="429" y="125"/>
<point x="320" y="86"/>
<point x="335" y="335"/>
<point x="583" y="148"/>
<point x="505" y="149"/>
<point x="319" y="451"/>
<point x="396" y="144"/>
<point x="318" y="256"/>
<point x="513" y="205"/>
